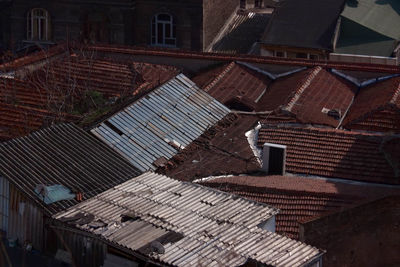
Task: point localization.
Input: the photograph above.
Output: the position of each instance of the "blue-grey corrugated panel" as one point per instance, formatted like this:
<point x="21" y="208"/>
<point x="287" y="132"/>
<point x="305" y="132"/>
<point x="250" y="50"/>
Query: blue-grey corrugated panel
<point x="178" y="112"/>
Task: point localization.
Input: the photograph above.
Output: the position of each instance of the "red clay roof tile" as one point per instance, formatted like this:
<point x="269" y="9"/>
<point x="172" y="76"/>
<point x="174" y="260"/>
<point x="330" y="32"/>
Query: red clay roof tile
<point x="223" y="149"/>
<point x="47" y="94"/>
<point x="298" y="198"/>
<point x="333" y="153"/>
<point x="376" y="107"/>
<point x="235" y="84"/>
<point x="308" y="93"/>
<point x="247" y="58"/>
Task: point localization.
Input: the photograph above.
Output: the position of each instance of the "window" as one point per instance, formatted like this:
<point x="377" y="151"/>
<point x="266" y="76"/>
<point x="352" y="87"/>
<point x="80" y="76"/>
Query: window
<point x="258" y="3"/>
<point x="279" y="54"/>
<point x="163" y="30"/>
<point x="243" y="4"/>
<point x="313" y="57"/>
<point x="301" y="55"/>
<point x="38" y="25"/>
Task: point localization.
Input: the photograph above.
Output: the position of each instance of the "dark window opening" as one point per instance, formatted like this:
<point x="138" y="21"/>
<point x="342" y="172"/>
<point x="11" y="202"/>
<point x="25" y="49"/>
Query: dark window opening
<point x="301" y="55"/>
<point x="112" y="127"/>
<point x="276" y="159"/>
<point x="239" y="104"/>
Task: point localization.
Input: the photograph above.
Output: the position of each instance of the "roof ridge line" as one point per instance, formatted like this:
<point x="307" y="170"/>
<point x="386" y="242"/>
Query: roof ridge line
<point x="395" y="95"/>
<point x="302" y="88"/>
<point x="220" y="76"/>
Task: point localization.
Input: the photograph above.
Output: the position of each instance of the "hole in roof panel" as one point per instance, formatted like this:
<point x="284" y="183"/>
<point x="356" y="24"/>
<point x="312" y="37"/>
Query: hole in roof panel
<point x="114" y="128"/>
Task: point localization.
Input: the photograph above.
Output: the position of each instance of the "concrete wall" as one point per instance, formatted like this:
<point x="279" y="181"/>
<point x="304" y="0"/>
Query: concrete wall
<point x="368" y="235"/>
<point x="215" y="15"/>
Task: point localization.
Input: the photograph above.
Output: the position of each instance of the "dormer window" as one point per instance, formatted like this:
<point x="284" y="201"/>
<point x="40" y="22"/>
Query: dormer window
<point x="163" y="30"/>
<point x="38" y="25"/>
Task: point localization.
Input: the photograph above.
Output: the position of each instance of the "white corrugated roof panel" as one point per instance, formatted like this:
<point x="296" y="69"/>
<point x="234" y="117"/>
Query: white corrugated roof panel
<point x="197" y="225"/>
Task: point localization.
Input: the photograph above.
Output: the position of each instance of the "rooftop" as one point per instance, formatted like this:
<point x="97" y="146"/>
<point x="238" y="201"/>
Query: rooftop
<point x="72" y="88"/>
<point x="192" y="224"/>
<point x="65" y="155"/>
<point x="238" y="87"/>
<point x="110" y="77"/>
<point x="157" y="126"/>
<point x="298" y="198"/>
<point x="223" y="149"/>
<point x="376" y="107"/>
<point x="307" y="23"/>
<point x="336" y="153"/>
<point x="379" y="16"/>
<point x="311" y="95"/>
<point x="241" y="33"/>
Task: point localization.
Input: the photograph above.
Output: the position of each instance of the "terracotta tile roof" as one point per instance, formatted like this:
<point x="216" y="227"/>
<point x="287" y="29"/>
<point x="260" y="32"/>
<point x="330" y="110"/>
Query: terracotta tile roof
<point x="280" y="91"/>
<point x="376" y="107"/>
<point x="163" y="52"/>
<point x="326" y="91"/>
<point x="299" y="198"/>
<point x="204" y="77"/>
<point x="16" y="121"/>
<point x="108" y="77"/>
<point x="34" y="58"/>
<point x="53" y="91"/>
<point x="334" y="153"/>
<point x="223" y="149"/>
<point x="25" y="108"/>
<point x="238" y="84"/>
<point x="309" y="95"/>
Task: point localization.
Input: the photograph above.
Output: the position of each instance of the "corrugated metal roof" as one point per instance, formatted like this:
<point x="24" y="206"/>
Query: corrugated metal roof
<point x="161" y="123"/>
<point x="206" y="226"/>
<point x="379" y="16"/>
<point x="66" y="155"/>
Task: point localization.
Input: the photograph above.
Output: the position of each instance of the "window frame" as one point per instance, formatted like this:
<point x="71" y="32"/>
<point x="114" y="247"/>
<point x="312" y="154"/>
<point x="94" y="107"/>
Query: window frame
<point x="39" y="17"/>
<point x="166" y="25"/>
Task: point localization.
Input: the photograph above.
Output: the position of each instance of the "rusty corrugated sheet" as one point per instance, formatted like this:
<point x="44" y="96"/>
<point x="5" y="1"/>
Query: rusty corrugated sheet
<point x="195" y="225"/>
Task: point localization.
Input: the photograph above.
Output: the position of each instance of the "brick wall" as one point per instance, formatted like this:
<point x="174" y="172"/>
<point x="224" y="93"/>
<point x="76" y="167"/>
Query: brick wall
<point x="368" y="235"/>
<point x="215" y="15"/>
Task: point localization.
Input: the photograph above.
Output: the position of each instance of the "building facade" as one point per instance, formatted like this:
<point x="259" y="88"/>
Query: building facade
<point x="188" y="25"/>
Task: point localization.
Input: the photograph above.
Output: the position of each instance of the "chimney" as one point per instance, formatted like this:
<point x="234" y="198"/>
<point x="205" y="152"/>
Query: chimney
<point x="274" y="159"/>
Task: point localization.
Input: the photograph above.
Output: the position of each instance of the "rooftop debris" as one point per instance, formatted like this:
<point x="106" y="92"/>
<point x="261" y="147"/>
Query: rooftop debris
<point x="161" y="123"/>
<point x="188" y="224"/>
